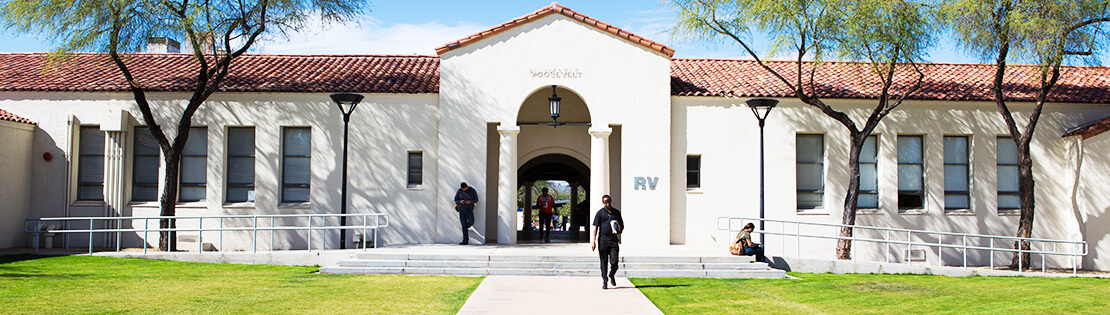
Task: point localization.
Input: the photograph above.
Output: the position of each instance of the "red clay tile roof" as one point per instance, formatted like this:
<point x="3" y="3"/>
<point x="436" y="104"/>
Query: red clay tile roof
<point x="1090" y="129"/>
<point x="943" y="81"/>
<point x="553" y="9"/>
<point x="5" y="115"/>
<point x="95" y="72"/>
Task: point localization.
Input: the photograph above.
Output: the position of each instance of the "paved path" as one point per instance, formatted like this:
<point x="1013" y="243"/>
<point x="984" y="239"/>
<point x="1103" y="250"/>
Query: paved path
<point x="560" y="295"/>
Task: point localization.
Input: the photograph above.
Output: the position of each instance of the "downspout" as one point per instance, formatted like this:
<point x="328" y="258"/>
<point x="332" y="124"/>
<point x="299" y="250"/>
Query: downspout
<point x="69" y="165"/>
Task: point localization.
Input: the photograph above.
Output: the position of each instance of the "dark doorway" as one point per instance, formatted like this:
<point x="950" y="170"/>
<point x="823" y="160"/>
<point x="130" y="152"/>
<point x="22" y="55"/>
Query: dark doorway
<point x="568" y="182"/>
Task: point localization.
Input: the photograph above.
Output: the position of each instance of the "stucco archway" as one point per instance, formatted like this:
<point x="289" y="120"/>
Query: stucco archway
<point x="552" y="153"/>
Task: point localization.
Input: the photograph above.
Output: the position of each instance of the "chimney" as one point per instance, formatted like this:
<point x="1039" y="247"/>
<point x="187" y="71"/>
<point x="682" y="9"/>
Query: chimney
<point x="162" y="45"/>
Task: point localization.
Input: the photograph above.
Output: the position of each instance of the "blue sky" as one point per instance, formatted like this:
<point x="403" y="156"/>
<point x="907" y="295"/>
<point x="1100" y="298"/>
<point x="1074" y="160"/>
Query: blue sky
<point x="417" y="27"/>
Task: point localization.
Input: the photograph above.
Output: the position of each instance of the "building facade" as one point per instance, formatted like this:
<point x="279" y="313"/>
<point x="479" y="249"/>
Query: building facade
<point x="670" y="139"/>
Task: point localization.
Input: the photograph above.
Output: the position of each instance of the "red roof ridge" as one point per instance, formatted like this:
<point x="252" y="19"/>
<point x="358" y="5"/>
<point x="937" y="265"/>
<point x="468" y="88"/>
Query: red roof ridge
<point x="552" y="9"/>
<point x="863" y="62"/>
<point x="1089" y="129"/>
<point x="272" y="55"/>
<point x="6" y="115"/>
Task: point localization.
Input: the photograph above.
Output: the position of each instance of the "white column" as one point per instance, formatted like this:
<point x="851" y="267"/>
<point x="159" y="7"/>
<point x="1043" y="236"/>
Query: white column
<point x="506" y="186"/>
<point x="599" y="169"/>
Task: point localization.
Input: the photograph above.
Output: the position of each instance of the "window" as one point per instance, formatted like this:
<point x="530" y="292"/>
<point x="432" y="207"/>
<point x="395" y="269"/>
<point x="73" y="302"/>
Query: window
<point x="1009" y="198"/>
<point x="693" y="171"/>
<point x="194" y="166"/>
<point x="144" y="169"/>
<point x="416" y="169"/>
<point x="811" y="167"/>
<point x="240" y="164"/>
<point x="956" y="169"/>
<point x="868" y="175"/>
<point x="295" y="164"/>
<point x="911" y="173"/>
<point x="90" y="167"/>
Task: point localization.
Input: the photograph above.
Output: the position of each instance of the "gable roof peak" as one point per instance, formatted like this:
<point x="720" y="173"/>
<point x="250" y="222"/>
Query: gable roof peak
<point x="555" y="8"/>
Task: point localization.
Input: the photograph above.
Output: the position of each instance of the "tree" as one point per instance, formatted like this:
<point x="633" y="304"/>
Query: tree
<point x="888" y="37"/>
<point x="218" y="31"/>
<point x="1043" y="33"/>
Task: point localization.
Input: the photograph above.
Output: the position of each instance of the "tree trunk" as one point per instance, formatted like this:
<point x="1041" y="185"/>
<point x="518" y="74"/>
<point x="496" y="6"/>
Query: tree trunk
<point x="1025" y="223"/>
<point x="168" y="204"/>
<point x="844" y="246"/>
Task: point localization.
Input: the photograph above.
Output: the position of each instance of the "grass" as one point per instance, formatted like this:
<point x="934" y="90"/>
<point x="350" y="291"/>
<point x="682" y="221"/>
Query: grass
<point x="80" y="284"/>
<point x="872" y="294"/>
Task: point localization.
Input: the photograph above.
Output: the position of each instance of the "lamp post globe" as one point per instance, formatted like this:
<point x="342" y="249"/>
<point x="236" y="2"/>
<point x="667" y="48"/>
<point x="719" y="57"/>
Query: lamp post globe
<point x="347" y="103"/>
<point x="761" y="107"/>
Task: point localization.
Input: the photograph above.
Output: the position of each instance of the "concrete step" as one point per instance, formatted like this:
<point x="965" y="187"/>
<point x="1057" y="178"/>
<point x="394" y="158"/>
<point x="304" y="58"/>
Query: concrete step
<point x="548" y="265"/>
<point x="554" y="258"/>
<point x="767" y="274"/>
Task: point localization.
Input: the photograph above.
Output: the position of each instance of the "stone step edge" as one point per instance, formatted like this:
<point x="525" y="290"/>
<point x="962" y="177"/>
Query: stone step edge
<point x="556" y="258"/>
<point x="704" y="266"/>
<point x="769" y="273"/>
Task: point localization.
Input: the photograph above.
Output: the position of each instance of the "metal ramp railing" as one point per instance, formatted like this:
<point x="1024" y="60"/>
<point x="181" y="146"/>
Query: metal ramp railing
<point x="958" y="241"/>
<point x="370" y="223"/>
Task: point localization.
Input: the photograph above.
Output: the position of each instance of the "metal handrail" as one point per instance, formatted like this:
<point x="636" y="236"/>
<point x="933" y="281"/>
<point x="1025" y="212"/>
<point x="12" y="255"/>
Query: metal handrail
<point x="39" y="226"/>
<point x="1078" y="248"/>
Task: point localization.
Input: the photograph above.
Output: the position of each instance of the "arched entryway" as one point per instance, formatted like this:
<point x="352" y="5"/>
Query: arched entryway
<point x="554" y="153"/>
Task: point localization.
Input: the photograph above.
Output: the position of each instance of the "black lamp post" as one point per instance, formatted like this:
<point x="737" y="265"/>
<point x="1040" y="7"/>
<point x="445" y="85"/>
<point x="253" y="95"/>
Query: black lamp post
<point x="761" y="107"/>
<point x="554" y="101"/>
<point x="347" y="103"/>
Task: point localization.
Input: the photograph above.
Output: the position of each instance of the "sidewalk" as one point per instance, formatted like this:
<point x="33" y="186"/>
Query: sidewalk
<point x="556" y="295"/>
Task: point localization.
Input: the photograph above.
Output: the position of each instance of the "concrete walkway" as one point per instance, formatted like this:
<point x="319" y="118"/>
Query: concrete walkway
<point x="556" y="295"/>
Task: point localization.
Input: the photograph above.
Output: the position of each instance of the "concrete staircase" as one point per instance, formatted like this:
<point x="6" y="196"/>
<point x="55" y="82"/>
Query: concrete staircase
<point x="553" y="265"/>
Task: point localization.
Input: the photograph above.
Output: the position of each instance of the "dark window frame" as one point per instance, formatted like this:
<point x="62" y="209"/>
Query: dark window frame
<point x="81" y="156"/>
<point x="967" y="173"/>
<point x="999" y="192"/>
<point x="230" y="156"/>
<point x="415" y="173"/>
<point x="693" y="173"/>
<point x="285" y="156"/>
<point x="821" y="166"/>
<point x="874" y="165"/>
<point x="135" y="183"/>
<point x="181" y="183"/>
<point x="919" y="194"/>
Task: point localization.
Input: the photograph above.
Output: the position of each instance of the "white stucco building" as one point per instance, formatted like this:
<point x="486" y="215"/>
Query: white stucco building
<point x="640" y="123"/>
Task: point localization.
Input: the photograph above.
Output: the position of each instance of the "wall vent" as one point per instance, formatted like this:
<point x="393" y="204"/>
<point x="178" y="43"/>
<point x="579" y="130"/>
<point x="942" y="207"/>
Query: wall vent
<point x="914" y="255"/>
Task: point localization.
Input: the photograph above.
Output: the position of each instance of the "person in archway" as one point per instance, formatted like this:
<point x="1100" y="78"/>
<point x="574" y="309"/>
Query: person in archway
<point x="606" y="239"/>
<point x="546" y="204"/>
<point x="465" y="198"/>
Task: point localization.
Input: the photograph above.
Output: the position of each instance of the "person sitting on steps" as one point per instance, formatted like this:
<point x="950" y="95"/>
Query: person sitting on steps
<point x="749" y="247"/>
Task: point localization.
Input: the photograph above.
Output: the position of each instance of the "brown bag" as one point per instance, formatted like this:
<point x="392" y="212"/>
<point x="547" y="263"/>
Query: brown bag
<point x="736" y="248"/>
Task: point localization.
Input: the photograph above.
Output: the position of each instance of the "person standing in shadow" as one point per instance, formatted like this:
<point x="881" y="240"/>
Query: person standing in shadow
<point x="546" y="204"/>
<point x="465" y="198"/>
<point x="606" y="239"/>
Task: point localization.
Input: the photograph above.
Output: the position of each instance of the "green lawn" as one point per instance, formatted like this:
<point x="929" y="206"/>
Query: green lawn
<point x="80" y="284"/>
<point x="887" y="294"/>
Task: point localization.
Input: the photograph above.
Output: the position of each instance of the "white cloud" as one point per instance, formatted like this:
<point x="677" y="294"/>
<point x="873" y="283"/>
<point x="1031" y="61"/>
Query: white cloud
<point x="370" y="36"/>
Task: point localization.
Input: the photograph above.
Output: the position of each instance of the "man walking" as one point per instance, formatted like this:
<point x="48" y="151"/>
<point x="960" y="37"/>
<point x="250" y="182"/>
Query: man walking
<point x="608" y="225"/>
<point x="545" y="203"/>
<point x="465" y="198"/>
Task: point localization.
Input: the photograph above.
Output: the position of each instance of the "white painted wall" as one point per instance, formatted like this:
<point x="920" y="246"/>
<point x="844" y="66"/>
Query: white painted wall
<point x="377" y="165"/>
<point x="1088" y="199"/>
<point x="621" y="83"/>
<point x="15" y="189"/>
<point x="726" y="134"/>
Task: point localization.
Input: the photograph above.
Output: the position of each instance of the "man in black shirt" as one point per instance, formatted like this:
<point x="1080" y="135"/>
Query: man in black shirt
<point x="465" y="198"/>
<point x="609" y="225"/>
